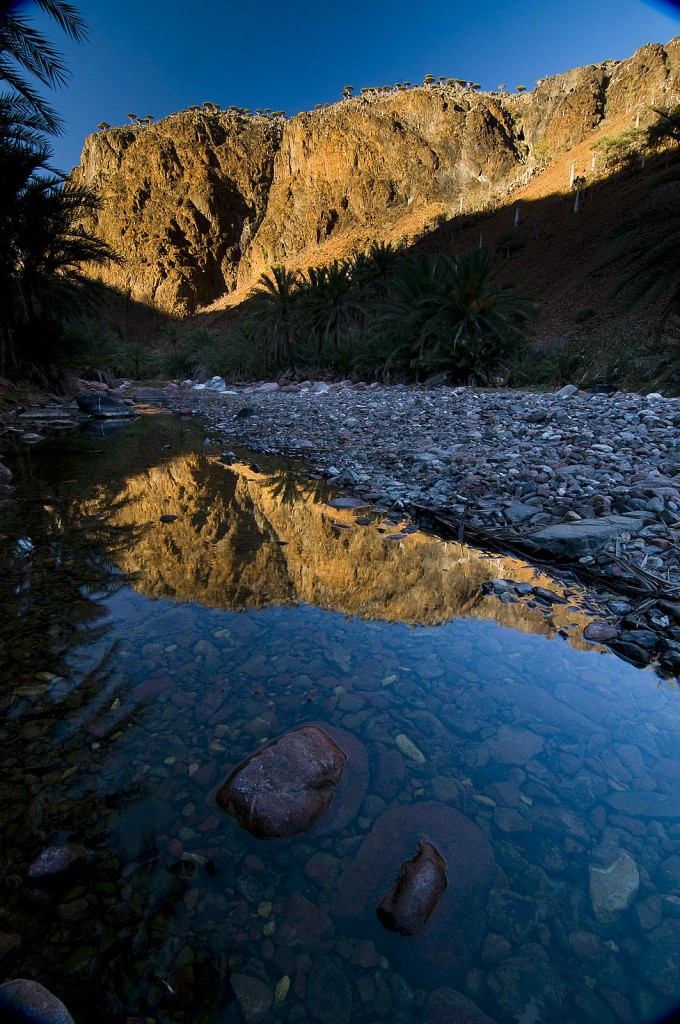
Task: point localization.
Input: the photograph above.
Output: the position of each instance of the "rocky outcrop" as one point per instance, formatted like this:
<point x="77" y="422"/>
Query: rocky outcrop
<point x="182" y="200"/>
<point x="200" y="202"/>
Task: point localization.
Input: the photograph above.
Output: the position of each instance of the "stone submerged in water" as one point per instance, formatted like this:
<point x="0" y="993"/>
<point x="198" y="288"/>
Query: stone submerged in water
<point x="614" y="882"/>
<point x="417" y="891"/>
<point x="29" y="1002"/>
<point x="285" y="788"/>
<point x="253" y="996"/>
<point x="442" y="951"/>
<point x="56" y="862"/>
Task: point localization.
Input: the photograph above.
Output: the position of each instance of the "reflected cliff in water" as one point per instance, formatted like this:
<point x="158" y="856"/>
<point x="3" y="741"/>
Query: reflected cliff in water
<point x="244" y="538"/>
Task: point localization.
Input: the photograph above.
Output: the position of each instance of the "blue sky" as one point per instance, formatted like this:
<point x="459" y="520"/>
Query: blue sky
<point x="160" y="56"/>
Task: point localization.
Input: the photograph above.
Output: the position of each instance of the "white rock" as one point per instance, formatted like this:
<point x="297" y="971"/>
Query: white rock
<point x="409" y="749"/>
<point x="614" y="882"/>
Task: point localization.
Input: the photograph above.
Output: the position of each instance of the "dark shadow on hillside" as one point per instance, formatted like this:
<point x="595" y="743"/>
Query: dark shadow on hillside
<point x="565" y="260"/>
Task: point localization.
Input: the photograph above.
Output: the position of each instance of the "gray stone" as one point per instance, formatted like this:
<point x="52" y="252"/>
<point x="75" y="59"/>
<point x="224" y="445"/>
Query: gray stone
<point x="659" y="960"/>
<point x="32" y="1003"/>
<point x="103" y="407"/>
<point x="614" y="882"/>
<point x="511" y="914"/>
<point x="528" y="989"/>
<point x="446" y="1006"/>
<point x="600" y="632"/>
<point x="329" y="995"/>
<point x="515" y="746"/>
<point x="573" y="540"/>
<point x="253" y="996"/>
<point x="56" y="862"/>
<point x="645" y="804"/>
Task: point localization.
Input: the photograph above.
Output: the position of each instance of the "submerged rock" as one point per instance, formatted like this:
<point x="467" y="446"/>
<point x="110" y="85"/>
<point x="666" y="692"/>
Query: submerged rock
<point x="29" y="1002"/>
<point x="56" y="862"/>
<point x="614" y="882"/>
<point x="417" y="891"/>
<point x="253" y="996"/>
<point x="283" y="789"/>
<point x="453" y="935"/>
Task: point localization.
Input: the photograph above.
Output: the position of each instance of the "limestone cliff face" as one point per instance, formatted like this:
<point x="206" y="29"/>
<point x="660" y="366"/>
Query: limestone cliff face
<point x="182" y="200"/>
<point x="201" y="202"/>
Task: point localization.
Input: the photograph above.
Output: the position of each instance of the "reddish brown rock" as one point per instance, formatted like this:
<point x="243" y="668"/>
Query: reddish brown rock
<point x="56" y="862"/>
<point x="444" y="949"/>
<point x="417" y="891"/>
<point x="286" y="787"/>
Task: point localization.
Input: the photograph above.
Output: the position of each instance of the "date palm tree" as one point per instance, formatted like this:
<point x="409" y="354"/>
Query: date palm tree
<point x="44" y="248"/>
<point x="272" y="313"/>
<point x="44" y="251"/>
<point x="448" y="315"/>
<point x="329" y="305"/>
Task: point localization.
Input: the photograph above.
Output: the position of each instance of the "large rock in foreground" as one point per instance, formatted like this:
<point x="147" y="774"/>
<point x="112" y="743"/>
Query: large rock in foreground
<point x="31" y="1003"/>
<point x="286" y="787"/>
<point x="454" y="931"/>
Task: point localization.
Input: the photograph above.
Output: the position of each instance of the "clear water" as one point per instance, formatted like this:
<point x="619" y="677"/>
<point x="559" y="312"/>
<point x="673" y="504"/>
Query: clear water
<point x="142" y="660"/>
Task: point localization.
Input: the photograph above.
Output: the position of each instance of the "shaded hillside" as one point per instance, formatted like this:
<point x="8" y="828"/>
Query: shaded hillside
<point x="199" y="203"/>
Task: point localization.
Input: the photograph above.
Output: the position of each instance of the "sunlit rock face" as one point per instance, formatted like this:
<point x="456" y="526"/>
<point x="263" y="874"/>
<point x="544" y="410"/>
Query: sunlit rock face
<point x="244" y="539"/>
<point x="202" y="201"/>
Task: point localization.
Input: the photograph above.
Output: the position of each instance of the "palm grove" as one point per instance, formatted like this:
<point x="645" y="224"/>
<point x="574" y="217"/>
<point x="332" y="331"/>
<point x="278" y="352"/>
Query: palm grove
<point x="384" y="312"/>
<point x="43" y="250"/>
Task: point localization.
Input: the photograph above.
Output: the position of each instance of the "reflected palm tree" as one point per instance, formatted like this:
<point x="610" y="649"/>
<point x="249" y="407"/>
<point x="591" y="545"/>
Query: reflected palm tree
<point x="285" y="487"/>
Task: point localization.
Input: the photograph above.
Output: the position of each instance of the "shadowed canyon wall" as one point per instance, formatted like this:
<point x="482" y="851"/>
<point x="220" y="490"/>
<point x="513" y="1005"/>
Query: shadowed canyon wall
<point x="201" y="202"/>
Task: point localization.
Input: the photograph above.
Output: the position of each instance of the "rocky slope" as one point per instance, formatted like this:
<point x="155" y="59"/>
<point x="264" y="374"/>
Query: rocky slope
<point x="200" y="202"/>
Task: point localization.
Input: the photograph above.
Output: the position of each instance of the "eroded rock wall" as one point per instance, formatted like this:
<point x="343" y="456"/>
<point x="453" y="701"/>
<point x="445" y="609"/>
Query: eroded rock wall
<point x="201" y="202"/>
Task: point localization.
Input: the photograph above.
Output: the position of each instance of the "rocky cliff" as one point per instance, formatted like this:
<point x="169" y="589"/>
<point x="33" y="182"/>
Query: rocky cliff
<point x="200" y="202"/>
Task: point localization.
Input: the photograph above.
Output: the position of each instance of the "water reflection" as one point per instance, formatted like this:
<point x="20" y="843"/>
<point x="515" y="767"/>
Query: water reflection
<point x="244" y="538"/>
<point x="127" y="704"/>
